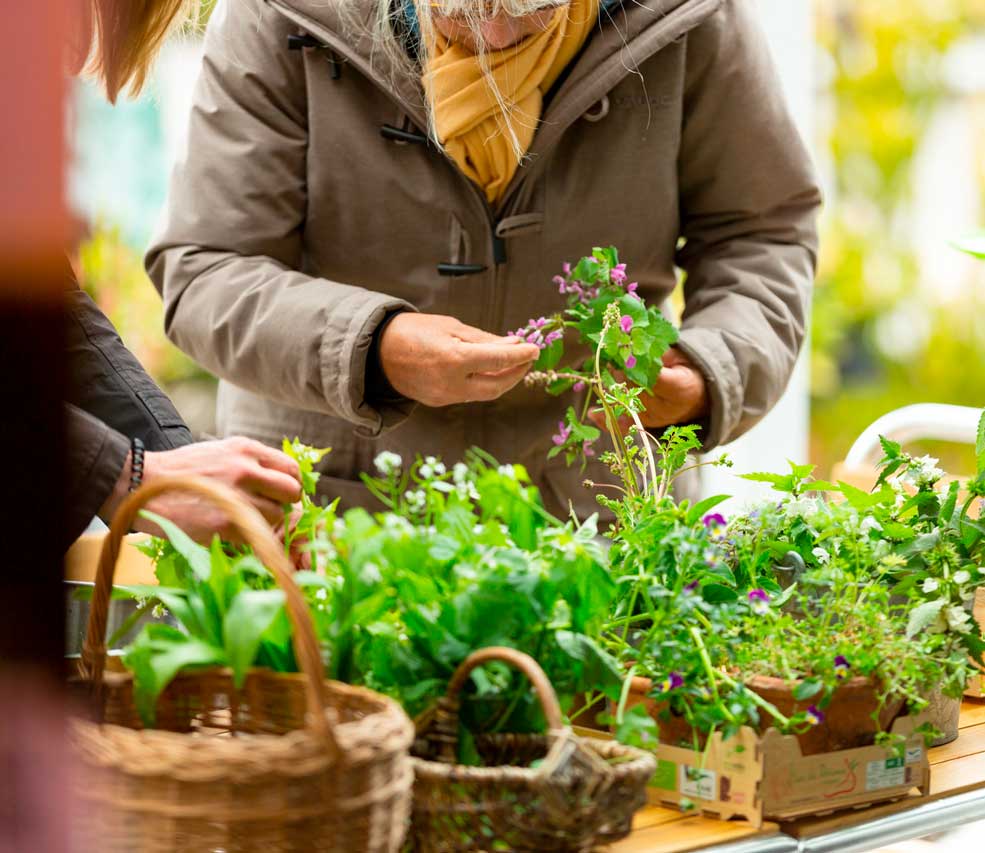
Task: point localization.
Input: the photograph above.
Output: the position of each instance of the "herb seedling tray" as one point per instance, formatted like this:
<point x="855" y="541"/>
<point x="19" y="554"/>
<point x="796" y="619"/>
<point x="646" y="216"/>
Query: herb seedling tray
<point x="765" y="777"/>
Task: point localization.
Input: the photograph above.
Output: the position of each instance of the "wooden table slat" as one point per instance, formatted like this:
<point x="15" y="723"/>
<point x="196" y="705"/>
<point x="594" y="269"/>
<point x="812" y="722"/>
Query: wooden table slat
<point x="955" y="767"/>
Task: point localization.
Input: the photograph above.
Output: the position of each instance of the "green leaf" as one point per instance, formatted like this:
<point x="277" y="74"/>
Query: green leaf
<point x="923" y="616"/>
<point x="550" y="356"/>
<point x="196" y="556"/>
<point x="807" y="689"/>
<point x="971" y="244"/>
<point x="980" y="445"/>
<point x="864" y="501"/>
<point x="716" y="593"/>
<point x="158" y="654"/>
<point x="701" y="508"/>
<point x="780" y="482"/>
<point x="599" y="669"/>
<point x="892" y="449"/>
<point x="248" y="617"/>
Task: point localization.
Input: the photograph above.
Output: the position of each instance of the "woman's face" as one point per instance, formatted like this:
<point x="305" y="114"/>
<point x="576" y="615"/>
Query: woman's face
<point x="496" y="33"/>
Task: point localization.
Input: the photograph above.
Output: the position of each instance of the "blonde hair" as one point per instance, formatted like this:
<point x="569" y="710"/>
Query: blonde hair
<point x="388" y="27"/>
<point x="119" y="39"/>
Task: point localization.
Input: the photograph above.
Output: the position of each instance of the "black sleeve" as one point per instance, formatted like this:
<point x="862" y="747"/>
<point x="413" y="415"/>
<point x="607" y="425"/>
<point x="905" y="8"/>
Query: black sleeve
<point x="107" y="381"/>
<point x="379" y="391"/>
<point x="95" y="458"/>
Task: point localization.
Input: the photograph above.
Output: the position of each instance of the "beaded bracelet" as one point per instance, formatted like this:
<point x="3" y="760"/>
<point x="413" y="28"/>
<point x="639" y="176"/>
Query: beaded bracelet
<point x="136" y="463"/>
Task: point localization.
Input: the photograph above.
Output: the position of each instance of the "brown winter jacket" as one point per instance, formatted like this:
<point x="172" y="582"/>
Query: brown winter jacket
<point x="308" y="206"/>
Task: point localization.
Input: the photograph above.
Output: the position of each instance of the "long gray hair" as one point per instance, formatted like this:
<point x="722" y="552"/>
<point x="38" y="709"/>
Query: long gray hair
<point x="389" y="36"/>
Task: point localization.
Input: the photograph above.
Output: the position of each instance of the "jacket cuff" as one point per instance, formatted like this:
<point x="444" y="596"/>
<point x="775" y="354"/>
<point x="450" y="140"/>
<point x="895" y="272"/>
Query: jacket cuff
<point x="345" y="347"/>
<point x="709" y="353"/>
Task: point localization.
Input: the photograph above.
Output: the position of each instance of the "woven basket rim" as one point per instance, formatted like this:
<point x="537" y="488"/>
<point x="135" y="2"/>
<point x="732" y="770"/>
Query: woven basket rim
<point x="437" y="770"/>
<point x="383" y="728"/>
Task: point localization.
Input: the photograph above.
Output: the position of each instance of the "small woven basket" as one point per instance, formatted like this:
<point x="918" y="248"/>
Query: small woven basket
<point x="553" y="792"/>
<point x="288" y="762"/>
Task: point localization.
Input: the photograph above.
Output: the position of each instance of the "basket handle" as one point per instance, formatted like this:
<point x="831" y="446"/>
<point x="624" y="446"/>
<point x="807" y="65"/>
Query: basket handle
<point x="521" y="661"/>
<point x="252" y="528"/>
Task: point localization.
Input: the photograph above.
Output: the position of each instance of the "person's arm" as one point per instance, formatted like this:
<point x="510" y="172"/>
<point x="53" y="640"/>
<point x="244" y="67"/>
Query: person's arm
<point x="227" y="262"/>
<point x="749" y="202"/>
<point x="94" y="463"/>
<point x="107" y="381"/>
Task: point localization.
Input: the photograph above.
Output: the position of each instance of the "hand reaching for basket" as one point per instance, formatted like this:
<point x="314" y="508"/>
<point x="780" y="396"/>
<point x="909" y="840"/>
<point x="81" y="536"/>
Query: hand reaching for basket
<point x="265" y="477"/>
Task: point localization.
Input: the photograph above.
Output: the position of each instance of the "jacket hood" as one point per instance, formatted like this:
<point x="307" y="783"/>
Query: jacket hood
<point x="629" y="33"/>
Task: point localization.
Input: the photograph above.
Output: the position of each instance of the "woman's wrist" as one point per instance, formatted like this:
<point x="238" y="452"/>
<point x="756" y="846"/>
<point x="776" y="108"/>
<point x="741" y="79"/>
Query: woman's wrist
<point x="120" y="490"/>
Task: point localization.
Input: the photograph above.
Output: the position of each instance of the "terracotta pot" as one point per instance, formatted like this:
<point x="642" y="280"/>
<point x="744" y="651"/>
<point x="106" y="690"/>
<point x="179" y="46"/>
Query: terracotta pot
<point x="848" y="720"/>
<point x="673" y="729"/>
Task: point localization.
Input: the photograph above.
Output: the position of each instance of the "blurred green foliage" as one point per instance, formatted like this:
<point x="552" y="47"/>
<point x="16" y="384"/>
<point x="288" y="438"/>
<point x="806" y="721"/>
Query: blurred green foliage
<point x="112" y="273"/>
<point x="887" y="79"/>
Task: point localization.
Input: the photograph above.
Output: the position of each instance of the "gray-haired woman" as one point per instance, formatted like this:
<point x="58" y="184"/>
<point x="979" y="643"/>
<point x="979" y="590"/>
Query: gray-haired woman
<point x="374" y="190"/>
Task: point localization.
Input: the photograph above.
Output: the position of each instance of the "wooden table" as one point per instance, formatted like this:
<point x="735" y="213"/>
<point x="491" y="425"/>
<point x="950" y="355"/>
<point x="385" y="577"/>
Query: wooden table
<point x="957" y="782"/>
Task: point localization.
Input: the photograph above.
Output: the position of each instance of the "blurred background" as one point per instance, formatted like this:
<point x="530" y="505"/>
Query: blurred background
<point x="890" y="94"/>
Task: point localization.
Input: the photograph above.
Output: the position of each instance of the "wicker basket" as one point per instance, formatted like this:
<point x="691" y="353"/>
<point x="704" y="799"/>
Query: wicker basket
<point x="579" y="792"/>
<point x="286" y="763"/>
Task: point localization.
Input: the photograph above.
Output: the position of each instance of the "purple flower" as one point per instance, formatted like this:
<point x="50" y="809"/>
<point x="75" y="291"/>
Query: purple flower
<point x="539" y="323"/>
<point x="559" y="281"/>
<point x="563" y="434"/>
<point x="587" y="449"/>
<point x="714" y="520"/>
<point x="618" y="273"/>
<point x="691" y="588"/>
<point x="842" y="666"/>
<point x="626" y="323"/>
<point x="815" y="716"/>
<point x="552" y="336"/>
<point x="632" y="287"/>
<point x="672" y="682"/>
<point x="566" y="268"/>
<point x="631" y="362"/>
<point x="578" y="387"/>
<point x="759" y="601"/>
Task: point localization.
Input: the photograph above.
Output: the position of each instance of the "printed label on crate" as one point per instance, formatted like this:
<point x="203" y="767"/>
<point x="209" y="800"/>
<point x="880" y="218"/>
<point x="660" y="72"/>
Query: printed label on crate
<point x="698" y="784"/>
<point x="665" y="776"/>
<point x="885" y="774"/>
<point x="914" y="754"/>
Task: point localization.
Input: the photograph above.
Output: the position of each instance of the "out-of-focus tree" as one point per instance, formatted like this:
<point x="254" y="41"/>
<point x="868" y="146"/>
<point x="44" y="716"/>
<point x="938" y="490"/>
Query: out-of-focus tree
<point x="878" y="341"/>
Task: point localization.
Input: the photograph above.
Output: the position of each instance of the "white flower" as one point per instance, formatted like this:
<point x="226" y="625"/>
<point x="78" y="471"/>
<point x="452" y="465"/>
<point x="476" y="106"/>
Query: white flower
<point x="507" y="471"/>
<point x="426" y="471"/>
<point x="803" y="507"/>
<point x="387" y="462"/>
<point x="958" y="618"/>
<point x="416" y="500"/>
<point x="442" y="486"/>
<point x="981" y="570"/>
<point x="371" y="573"/>
<point x="459" y="472"/>
<point x="431" y="460"/>
<point x="923" y="472"/>
<point x="962" y="576"/>
<point x="930" y="585"/>
<point x="869" y="523"/>
<point x="823" y="557"/>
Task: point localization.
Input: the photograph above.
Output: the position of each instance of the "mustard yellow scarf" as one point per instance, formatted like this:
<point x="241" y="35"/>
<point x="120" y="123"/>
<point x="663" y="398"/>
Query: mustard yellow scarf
<point x="469" y="120"/>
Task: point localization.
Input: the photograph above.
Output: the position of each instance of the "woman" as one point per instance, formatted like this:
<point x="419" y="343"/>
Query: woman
<point x="356" y="221"/>
<point x="115" y="412"/>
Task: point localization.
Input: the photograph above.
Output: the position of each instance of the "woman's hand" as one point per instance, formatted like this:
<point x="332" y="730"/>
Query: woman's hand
<point x="265" y="477"/>
<point x="439" y="361"/>
<point x="679" y="397"/>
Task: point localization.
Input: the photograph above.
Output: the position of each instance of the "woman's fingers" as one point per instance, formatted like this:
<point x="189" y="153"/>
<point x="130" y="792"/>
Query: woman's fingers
<point x="490" y="386"/>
